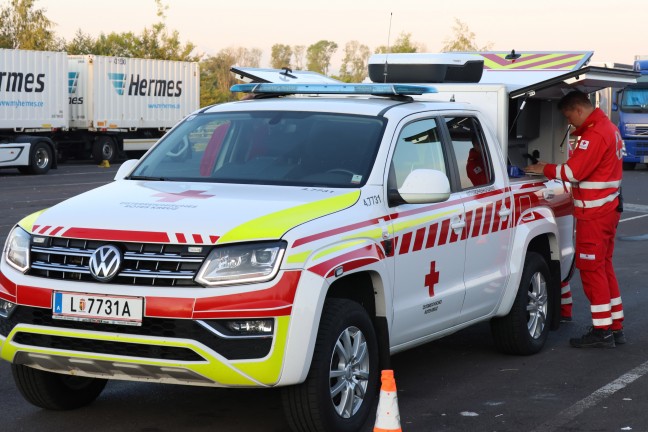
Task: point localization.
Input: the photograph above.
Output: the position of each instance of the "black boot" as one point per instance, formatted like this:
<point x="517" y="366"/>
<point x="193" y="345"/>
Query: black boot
<point x="594" y="338"/>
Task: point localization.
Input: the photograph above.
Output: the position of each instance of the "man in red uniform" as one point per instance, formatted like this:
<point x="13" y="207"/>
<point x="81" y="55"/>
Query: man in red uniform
<point x="594" y="170"/>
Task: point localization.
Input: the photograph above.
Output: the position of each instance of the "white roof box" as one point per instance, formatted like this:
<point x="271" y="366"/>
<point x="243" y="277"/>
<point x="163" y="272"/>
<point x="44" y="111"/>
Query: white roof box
<point x="425" y="68"/>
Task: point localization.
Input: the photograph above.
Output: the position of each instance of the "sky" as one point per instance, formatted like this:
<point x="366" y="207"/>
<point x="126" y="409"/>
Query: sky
<point x="614" y="30"/>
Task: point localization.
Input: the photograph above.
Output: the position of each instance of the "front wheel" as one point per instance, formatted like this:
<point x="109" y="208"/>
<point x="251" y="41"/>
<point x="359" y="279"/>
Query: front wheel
<point x="54" y="391"/>
<point x="41" y="158"/>
<point x="342" y="382"/>
<point x="524" y="330"/>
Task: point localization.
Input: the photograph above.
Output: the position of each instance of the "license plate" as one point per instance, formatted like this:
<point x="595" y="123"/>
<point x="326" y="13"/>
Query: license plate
<point x="98" y="308"/>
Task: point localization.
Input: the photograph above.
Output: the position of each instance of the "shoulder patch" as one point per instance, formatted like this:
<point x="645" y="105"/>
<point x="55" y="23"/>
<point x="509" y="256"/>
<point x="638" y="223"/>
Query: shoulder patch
<point x="583" y="144"/>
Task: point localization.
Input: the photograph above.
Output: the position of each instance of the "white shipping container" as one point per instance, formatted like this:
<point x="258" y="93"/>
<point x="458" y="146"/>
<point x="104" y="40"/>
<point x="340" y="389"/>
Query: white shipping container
<point x="116" y="93"/>
<point x="33" y="92"/>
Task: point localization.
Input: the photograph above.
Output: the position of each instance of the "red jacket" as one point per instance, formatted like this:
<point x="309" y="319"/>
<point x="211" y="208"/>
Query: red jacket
<point x="595" y="167"/>
<point x="475" y="168"/>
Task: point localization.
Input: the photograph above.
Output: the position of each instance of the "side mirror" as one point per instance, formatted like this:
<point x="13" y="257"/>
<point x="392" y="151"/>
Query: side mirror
<point x="125" y="169"/>
<point x="615" y="106"/>
<point x="423" y="186"/>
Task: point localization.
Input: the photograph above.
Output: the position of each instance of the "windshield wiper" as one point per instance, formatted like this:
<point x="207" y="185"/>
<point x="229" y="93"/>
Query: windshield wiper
<point x="147" y="178"/>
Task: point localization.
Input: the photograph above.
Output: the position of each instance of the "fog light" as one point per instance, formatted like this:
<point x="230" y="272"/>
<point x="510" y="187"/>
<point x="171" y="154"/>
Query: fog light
<point x="6" y="308"/>
<point x="251" y="327"/>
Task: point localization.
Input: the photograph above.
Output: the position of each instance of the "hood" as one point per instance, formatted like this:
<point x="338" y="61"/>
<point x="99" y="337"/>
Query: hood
<point x="187" y="213"/>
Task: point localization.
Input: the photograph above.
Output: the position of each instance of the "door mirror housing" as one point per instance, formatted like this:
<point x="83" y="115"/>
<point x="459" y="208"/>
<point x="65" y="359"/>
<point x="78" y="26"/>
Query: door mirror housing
<point x="125" y="169"/>
<point x="424" y="186"/>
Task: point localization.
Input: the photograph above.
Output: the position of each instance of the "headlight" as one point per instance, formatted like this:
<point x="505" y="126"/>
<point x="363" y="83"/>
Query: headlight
<point x="241" y="263"/>
<point x="17" y="249"/>
<point x="631" y="129"/>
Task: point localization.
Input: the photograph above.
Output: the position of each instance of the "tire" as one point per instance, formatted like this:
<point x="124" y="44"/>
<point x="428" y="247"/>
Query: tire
<point x="524" y="330"/>
<point x="41" y="159"/>
<point x="629" y="166"/>
<point x="54" y="391"/>
<point x="345" y="327"/>
<point x="104" y="148"/>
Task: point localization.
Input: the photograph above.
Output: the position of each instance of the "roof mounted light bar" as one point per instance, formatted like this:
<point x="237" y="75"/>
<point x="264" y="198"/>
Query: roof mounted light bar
<point x="339" y="89"/>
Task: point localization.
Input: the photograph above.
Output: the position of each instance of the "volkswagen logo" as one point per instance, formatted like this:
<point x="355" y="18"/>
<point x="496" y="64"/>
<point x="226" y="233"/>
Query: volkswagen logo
<point x="105" y="263"/>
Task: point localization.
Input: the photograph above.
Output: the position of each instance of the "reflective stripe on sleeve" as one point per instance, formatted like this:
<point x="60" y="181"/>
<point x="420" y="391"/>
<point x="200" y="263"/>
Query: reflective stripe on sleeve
<point x="568" y="172"/>
<point x="617" y="315"/>
<point x="615" y="301"/>
<point x="567" y="300"/>
<point x="599" y="185"/>
<point x="596" y="203"/>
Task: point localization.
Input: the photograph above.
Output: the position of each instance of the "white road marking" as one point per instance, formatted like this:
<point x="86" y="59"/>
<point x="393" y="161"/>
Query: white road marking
<point x="637" y="208"/>
<point x="590" y="401"/>
<point x="633" y="218"/>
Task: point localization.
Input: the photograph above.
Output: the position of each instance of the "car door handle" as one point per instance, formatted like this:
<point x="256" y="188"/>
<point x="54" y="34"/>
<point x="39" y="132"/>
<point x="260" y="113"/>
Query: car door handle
<point x="504" y="212"/>
<point x="548" y="194"/>
<point x="457" y="223"/>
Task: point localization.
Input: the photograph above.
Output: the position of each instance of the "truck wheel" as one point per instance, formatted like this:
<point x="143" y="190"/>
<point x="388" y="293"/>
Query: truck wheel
<point x="104" y="148"/>
<point x="40" y="159"/>
<point x="54" y="391"/>
<point x="629" y="166"/>
<point x="524" y="330"/>
<point x="342" y="382"/>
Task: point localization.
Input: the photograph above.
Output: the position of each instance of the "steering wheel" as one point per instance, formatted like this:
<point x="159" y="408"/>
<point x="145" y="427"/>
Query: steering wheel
<point x="182" y="147"/>
<point x="341" y="171"/>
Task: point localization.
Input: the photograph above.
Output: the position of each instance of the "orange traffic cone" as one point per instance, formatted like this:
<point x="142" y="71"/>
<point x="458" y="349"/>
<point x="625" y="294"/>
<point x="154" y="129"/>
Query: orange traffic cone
<point x="388" y="417"/>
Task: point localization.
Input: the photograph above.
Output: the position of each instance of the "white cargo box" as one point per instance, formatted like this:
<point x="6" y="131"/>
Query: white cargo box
<point x="124" y="93"/>
<point x="33" y="94"/>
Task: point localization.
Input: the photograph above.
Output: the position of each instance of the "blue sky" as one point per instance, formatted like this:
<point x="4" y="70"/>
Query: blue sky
<point x="613" y="30"/>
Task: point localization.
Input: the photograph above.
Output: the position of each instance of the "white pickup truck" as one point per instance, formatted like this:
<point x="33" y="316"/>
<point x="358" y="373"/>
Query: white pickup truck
<point x="295" y="242"/>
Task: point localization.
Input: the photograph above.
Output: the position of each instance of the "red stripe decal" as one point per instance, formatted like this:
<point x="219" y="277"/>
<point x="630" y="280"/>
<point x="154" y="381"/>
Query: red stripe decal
<point x="418" y="243"/>
<point x="454" y="236"/>
<point x="352" y="265"/>
<point x="197" y="238"/>
<point x="432" y="234"/>
<point x="213" y="239"/>
<point x="56" y="230"/>
<point x="469" y="221"/>
<point x="32" y="296"/>
<point x="169" y="307"/>
<point x="405" y="244"/>
<point x="35" y="228"/>
<point x="274" y="301"/>
<point x="479" y="215"/>
<point x="181" y="238"/>
<point x="7" y="289"/>
<point x="335" y="231"/>
<point x="488" y="219"/>
<point x="443" y="236"/>
<point x="117" y="235"/>
<point x="44" y="229"/>
<point x="328" y="266"/>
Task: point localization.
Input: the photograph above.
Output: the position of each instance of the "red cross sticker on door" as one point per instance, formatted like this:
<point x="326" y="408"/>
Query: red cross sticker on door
<point x="432" y="278"/>
<point x="175" y="197"/>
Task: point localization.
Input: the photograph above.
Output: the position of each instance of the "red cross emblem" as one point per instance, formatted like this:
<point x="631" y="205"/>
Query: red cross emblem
<point x="175" y="197"/>
<point x="432" y="278"/>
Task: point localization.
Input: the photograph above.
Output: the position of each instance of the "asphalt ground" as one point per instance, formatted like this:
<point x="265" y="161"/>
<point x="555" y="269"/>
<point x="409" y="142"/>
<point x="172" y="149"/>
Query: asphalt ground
<point x="458" y="383"/>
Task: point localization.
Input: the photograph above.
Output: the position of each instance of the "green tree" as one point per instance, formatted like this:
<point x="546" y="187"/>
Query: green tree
<point x="280" y="56"/>
<point x="216" y="78"/>
<point x="354" y="64"/>
<point x="82" y="43"/>
<point x="298" y="56"/>
<point x="22" y="26"/>
<point x="403" y="44"/>
<point x="318" y="56"/>
<point x="463" y="39"/>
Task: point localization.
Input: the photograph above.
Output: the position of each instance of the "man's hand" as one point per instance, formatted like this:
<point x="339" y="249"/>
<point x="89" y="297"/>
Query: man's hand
<point x="535" y="168"/>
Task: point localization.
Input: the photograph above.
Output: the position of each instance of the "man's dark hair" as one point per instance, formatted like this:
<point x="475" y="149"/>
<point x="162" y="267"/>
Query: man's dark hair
<point x="573" y="99"/>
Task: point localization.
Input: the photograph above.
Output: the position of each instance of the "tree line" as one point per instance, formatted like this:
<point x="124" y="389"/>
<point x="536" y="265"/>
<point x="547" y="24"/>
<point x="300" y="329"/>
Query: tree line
<point x="25" y="26"/>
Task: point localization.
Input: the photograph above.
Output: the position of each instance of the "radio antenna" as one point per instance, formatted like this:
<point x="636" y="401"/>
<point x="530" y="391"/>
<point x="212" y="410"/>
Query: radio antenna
<point x="391" y="14"/>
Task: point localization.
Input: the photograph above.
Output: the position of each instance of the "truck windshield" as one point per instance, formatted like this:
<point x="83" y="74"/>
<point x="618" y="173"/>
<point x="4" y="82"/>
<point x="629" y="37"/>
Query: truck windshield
<point x="635" y="100"/>
<point x="268" y="147"/>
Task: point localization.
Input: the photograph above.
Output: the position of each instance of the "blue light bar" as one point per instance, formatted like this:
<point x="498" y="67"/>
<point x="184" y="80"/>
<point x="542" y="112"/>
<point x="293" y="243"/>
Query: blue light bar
<point x="348" y="89"/>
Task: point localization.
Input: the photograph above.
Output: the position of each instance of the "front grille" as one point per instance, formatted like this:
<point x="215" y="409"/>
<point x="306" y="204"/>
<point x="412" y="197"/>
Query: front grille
<point x="641" y="148"/>
<point x="143" y="263"/>
<point x="107" y="347"/>
<point x="230" y="348"/>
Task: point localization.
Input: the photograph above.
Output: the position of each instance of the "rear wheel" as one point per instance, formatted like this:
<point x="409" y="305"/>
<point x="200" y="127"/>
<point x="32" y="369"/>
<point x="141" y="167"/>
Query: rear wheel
<point x="41" y="158"/>
<point x="104" y="148"/>
<point x="342" y="382"/>
<point x="524" y="330"/>
<point x="56" y="391"/>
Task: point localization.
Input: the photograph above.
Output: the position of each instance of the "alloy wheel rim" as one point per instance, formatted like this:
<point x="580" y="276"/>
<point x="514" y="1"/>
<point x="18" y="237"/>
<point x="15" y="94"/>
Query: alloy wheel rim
<point x="349" y="372"/>
<point x="537" y="306"/>
<point x="42" y="158"/>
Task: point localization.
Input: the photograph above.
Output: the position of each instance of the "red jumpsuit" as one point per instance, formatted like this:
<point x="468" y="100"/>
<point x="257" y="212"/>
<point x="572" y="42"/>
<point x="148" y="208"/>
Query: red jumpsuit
<point x="595" y="170"/>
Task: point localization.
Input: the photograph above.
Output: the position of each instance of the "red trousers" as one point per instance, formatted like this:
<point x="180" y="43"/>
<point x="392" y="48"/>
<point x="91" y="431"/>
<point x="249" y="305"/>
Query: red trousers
<point x="594" y="249"/>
